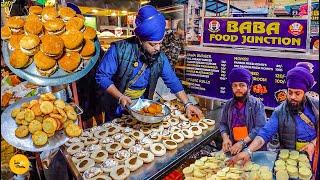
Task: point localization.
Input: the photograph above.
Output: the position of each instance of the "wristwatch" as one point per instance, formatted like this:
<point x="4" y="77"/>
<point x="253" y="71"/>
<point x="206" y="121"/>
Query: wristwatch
<point x="187" y="104"/>
<point x="247" y="150"/>
<point x="244" y="144"/>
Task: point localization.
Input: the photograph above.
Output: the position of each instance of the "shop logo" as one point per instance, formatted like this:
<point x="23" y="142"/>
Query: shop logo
<point x="19" y="164"/>
<point x="214" y="26"/>
<point x="7" y="3"/>
<point x="296" y="29"/>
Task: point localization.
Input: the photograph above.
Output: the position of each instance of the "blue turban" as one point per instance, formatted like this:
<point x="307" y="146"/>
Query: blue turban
<point x="150" y="24"/>
<point x="300" y="78"/>
<point x="240" y="75"/>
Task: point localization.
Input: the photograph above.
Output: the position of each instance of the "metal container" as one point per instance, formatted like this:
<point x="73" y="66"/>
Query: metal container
<point x="138" y="104"/>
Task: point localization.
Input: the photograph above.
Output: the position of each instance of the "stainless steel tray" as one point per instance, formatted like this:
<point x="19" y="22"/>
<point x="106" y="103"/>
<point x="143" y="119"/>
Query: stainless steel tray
<point x="59" y="77"/>
<point x="8" y="126"/>
<point x="161" y="165"/>
<point x="136" y="106"/>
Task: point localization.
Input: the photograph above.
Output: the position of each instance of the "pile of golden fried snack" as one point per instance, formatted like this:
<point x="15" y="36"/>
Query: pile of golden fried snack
<point x="216" y="167"/>
<point x="44" y="117"/>
<point x="49" y="38"/>
<point x="292" y="164"/>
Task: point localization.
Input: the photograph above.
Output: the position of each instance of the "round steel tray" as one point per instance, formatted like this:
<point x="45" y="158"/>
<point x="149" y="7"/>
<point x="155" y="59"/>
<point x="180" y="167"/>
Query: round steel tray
<point x="140" y="103"/>
<point x="59" y="77"/>
<point x="8" y="127"/>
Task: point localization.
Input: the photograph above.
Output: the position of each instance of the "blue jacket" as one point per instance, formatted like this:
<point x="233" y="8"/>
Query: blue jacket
<point x="289" y="126"/>
<point x="255" y="117"/>
<point x="117" y="67"/>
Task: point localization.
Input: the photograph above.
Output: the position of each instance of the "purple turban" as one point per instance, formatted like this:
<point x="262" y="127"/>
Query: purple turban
<point x="300" y="78"/>
<point x="240" y="75"/>
<point x="150" y="24"/>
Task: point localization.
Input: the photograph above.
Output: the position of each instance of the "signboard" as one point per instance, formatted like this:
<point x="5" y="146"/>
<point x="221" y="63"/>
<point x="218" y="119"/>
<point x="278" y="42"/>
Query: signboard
<point x="208" y="75"/>
<point x="256" y="32"/>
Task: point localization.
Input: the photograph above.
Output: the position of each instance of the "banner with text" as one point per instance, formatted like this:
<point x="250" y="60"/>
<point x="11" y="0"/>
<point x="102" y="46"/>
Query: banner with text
<point x="208" y="75"/>
<point x="256" y="32"/>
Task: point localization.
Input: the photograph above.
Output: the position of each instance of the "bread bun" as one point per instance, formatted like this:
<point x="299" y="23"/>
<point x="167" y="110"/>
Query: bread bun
<point x="37" y="10"/>
<point x="89" y="33"/>
<point x="54" y="26"/>
<point x="66" y="13"/>
<point x="88" y="50"/>
<point x="19" y="60"/>
<point x="70" y="61"/>
<point x="49" y="13"/>
<point x="52" y="45"/>
<point x="33" y="27"/>
<point x="5" y="33"/>
<point x="75" y="23"/>
<point x="14" y="42"/>
<point x="73" y="40"/>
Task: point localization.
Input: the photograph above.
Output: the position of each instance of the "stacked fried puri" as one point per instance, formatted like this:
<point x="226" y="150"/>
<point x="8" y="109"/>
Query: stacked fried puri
<point x="51" y="38"/>
<point x="44" y="117"/>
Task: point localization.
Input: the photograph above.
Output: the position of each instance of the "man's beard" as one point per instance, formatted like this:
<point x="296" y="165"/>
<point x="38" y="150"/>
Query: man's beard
<point x="147" y="57"/>
<point x="240" y="98"/>
<point x="297" y="107"/>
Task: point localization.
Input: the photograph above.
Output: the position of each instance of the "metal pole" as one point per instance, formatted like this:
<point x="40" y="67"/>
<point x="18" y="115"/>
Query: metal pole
<point x="228" y="8"/>
<point x="203" y="13"/>
<point x="309" y="27"/>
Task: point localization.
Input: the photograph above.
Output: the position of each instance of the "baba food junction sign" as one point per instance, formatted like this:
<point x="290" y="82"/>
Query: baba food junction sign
<point x="256" y="32"/>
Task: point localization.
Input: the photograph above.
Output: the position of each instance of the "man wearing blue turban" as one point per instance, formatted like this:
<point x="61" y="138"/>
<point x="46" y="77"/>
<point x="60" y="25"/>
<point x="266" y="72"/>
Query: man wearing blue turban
<point x="243" y="115"/>
<point x="295" y="120"/>
<point x="130" y="68"/>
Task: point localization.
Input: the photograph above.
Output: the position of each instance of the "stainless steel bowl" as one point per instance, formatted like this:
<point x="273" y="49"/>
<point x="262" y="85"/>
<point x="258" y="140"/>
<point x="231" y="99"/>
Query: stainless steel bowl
<point x="138" y="104"/>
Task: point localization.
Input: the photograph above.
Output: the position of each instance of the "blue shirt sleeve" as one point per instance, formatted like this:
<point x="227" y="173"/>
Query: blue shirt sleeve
<point x="270" y="128"/>
<point x="170" y="78"/>
<point x="107" y="68"/>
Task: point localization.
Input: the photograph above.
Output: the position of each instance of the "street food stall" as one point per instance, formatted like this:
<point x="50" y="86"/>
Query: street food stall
<point x="155" y="140"/>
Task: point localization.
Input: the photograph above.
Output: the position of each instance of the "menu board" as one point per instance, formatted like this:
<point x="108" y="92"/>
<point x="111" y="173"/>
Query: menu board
<point x="208" y="72"/>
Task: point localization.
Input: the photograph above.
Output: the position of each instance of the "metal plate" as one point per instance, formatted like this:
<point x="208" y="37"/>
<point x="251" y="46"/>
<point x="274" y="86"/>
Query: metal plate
<point x="8" y="127"/>
<point x="59" y="77"/>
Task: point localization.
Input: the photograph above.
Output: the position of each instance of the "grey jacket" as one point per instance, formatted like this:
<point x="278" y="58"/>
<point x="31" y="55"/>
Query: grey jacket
<point x="255" y="117"/>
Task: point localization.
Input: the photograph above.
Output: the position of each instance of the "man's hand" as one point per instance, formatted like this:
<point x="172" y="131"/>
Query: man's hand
<point x="191" y="109"/>
<point x="236" y="148"/>
<point x="226" y="144"/>
<point x="125" y="101"/>
<point x="309" y="148"/>
<point x="243" y="157"/>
